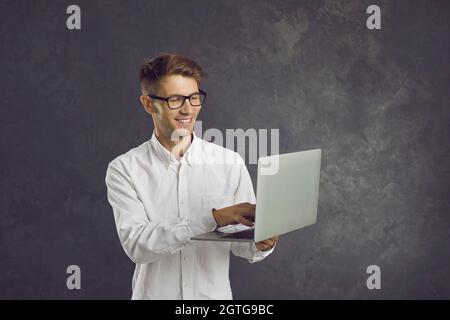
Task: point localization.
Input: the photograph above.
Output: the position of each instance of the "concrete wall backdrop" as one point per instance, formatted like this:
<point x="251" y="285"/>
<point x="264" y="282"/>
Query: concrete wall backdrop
<point x="375" y="101"/>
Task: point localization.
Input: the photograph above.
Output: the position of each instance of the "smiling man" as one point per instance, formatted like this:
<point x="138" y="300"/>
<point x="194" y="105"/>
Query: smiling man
<point x="175" y="186"/>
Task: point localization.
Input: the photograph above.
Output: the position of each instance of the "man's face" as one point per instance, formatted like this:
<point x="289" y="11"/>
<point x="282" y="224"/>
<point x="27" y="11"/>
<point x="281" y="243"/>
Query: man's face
<point x="168" y="120"/>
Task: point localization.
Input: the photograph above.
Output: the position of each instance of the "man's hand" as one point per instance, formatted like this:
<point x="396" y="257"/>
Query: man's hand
<point x="240" y="213"/>
<point x="267" y="244"/>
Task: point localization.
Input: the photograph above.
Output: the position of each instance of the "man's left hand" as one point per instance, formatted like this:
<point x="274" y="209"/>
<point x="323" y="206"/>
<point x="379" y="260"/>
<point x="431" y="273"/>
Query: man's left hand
<point x="267" y="244"/>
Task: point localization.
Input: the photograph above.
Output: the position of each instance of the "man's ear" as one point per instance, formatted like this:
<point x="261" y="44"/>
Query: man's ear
<point x="147" y="104"/>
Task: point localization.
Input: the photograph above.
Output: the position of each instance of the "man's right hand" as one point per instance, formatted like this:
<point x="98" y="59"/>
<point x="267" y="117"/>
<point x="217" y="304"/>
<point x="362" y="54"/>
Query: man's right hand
<point x="239" y="213"/>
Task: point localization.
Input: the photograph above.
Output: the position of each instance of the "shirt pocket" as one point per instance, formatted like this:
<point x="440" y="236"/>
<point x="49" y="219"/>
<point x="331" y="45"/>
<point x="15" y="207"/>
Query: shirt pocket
<point x="217" y="201"/>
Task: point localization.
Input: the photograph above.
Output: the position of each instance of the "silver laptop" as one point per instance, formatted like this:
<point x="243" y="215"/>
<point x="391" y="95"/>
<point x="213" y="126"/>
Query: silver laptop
<point x="287" y="198"/>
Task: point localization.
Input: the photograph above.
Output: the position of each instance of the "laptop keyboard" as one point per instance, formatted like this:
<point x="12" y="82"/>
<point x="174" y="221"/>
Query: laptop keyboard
<point x="244" y="234"/>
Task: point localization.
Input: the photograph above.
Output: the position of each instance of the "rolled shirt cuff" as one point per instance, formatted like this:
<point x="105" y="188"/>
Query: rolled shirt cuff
<point x="205" y="223"/>
<point x="259" y="255"/>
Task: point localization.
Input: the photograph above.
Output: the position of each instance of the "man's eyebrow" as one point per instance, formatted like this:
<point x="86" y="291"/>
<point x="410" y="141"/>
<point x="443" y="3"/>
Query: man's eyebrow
<point x="178" y="94"/>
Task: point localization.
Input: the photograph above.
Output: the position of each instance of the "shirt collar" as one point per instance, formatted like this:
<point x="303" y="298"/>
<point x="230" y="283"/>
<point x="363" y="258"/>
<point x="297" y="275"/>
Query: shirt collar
<point x="168" y="159"/>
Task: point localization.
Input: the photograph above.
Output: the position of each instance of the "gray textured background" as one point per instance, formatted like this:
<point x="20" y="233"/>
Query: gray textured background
<point x="376" y="102"/>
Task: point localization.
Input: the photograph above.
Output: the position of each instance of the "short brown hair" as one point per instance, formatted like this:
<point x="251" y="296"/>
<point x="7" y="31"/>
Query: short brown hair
<point x="166" y="64"/>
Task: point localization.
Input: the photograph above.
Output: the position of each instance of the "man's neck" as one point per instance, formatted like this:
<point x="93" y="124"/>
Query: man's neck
<point x="178" y="147"/>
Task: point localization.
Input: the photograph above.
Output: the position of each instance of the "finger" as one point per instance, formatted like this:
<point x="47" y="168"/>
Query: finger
<point x="265" y="246"/>
<point x="272" y="240"/>
<point x="249" y="217"/>
<point x="261" y="246"/>
<point x="268" y="242"/>
<point x="275" y="239"/>
<point x="245" y="222"/>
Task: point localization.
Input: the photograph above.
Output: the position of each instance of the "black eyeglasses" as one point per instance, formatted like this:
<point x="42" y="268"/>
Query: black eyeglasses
<point x="176" y="101"/>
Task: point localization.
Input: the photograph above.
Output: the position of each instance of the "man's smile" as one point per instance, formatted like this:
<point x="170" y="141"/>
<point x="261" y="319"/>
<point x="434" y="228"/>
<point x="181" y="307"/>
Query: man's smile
<point x="184" y="120"/>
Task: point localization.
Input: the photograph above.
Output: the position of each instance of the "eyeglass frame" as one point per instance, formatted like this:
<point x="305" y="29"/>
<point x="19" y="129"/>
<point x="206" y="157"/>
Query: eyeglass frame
<point x="166" y="99"/>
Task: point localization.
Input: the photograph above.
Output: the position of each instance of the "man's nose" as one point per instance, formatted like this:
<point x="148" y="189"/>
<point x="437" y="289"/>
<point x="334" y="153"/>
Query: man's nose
<point x="186" y="107"/>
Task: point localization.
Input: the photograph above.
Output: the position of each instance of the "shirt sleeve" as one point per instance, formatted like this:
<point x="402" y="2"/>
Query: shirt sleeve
<point x="245" y="193"/>
<point x="145" y="241"/>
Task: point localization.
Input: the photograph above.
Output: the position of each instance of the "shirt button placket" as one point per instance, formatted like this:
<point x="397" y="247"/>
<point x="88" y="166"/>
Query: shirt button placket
<point x="181" y="193"/>
<point x="185" y="263"/>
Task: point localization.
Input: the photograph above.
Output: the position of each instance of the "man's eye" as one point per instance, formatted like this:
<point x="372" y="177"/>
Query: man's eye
<point x="195" y="96"/>
<point x="174" y="98"/>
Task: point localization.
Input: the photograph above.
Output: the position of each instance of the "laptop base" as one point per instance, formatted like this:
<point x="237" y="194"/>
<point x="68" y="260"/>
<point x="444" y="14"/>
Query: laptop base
<point x="240" y="236"/>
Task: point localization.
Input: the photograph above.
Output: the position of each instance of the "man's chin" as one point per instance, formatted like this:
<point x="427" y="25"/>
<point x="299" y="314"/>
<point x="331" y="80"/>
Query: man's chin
<point x="181" y="131"/>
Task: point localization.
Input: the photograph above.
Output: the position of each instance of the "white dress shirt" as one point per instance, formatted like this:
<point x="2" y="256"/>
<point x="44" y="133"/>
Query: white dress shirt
<point x="160" y="202"/>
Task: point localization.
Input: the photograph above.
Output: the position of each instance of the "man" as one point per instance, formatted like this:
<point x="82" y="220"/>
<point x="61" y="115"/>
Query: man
<point x="175" y="186"/>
